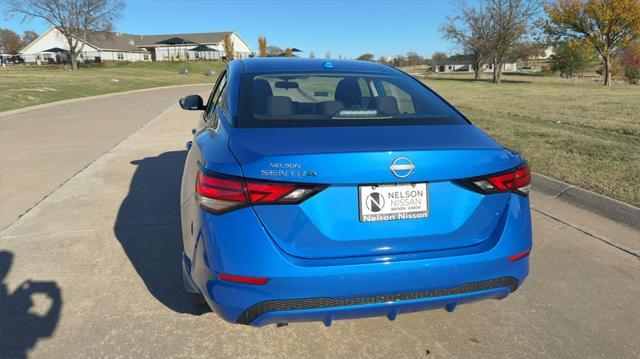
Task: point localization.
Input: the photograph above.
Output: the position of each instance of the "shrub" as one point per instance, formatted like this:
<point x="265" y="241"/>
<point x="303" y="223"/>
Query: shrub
<point x="632" y="73"/>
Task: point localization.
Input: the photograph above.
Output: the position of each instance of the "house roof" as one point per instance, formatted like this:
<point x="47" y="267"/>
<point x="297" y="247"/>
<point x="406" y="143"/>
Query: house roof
<point x="133" y="42"/>
<point x="114" y="41"/>
<point x="457" y="60"/>
<point x="202" y="48"/>
<point x="195" y="38"/>
<point x="105" y="40"/>
<point x="56" y="50"/>
<point x="175" y="41"/>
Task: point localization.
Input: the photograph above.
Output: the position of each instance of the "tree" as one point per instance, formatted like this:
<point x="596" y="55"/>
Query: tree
<point x="631" y="55"/>
<point x="10" y="41"/>
<point x="385" y="60"/>
<point x="631" y="61"/>
<point x="414" y="59"/>
<point x="469" y="30"/>
<point x="28" y="37"/>
<point x="365" y="57"/>
<point x="508" y="24"/>
<point x="526" y="50"/>
<point x="609" y="26"/>
<point x="572" y="57"/>
<point x="273" y="50"/>
<point x="288" y="52"/>
<point x="312" y="55"/>
<point x="262" y="46"/>
<point x="399" y="61"/>
<point x="435" y="58"/>
<point x="229" y="50"/>
<point x="75" y="19"/>
<point x="439" y="56"/>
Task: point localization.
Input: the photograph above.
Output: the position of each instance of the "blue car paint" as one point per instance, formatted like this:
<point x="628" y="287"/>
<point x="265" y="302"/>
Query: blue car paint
<point x="323" y="149"/>
<point x="341" y="257"/>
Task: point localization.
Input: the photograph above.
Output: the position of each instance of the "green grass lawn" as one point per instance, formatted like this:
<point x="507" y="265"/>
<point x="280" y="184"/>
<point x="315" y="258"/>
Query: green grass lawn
<point x="577" y="131"/>
<point x="22" y="86"/>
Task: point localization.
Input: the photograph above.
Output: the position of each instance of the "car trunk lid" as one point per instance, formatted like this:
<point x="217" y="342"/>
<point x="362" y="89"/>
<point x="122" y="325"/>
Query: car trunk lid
<point x="329" y="225"/>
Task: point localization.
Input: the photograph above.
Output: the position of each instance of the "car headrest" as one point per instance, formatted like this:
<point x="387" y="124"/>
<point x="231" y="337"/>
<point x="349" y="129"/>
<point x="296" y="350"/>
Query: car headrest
<point x="329" y="107"/>
<point x="385" y="105"/>
<point x="348" y="91"/>
<point x="279" y="106"/>
<point x="261" y="91"/>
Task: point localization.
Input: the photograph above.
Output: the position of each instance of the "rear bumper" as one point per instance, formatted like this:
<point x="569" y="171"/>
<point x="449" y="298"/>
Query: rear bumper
<point x="304" y="291"/>
<point x="342" y="295"/>
<point x="327" y="309"/>
<point x="390" y="310"/>
<point x="342" y="292"/>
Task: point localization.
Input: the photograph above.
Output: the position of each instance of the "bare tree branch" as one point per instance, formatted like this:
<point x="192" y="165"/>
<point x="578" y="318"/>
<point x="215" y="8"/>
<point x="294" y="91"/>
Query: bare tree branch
<point x="75" y="19"/>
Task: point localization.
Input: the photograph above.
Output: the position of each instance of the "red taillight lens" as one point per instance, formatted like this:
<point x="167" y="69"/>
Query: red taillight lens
<point x="517" y="180"/>
<point x="243" y="279"/>
<point x="220" y="193"/>
<point x="220" y="188"/>
<point x="268" y="192"/>
<point x="520" y="255"/>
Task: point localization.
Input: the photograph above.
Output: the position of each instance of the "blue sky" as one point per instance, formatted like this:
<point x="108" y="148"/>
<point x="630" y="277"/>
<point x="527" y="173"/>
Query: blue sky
<point x="348" y="28"/>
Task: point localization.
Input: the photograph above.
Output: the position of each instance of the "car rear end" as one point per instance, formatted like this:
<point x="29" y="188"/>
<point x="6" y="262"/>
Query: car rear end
<point x="358" y="205"/>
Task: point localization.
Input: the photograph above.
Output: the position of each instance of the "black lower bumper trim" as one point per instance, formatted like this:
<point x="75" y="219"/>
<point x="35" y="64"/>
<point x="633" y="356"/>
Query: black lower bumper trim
<point x="258" y="309"/>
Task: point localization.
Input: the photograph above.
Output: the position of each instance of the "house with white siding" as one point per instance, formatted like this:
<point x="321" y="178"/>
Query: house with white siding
<point x="463" y="63"/>
<point x="52" y="47"/>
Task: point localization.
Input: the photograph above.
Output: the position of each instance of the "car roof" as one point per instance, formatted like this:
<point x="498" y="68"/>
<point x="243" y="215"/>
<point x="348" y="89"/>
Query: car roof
<point x="278" y="64"/>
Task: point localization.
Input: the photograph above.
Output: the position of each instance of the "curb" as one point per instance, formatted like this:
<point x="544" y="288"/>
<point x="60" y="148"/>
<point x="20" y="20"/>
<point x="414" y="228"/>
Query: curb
<point x="78" y="99"/>
<point x="597" y="203"/>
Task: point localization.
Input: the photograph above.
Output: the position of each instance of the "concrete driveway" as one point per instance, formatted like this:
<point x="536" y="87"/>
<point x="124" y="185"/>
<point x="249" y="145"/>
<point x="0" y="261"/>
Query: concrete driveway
<point x="40" y="149"/>
<point x="95" y="272"/>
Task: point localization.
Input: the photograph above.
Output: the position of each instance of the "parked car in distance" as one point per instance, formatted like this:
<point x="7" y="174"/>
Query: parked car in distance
<point x="316" y="190"/>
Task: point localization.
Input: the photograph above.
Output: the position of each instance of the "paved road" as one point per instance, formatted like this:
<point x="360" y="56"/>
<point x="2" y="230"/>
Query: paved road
<point x="96" y="273"/>
<point x="42" y="148"/>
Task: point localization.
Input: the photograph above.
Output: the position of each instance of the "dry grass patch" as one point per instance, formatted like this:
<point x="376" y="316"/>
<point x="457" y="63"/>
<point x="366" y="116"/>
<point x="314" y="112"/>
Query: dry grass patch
<point x="22" y="86"/>
<point x="577" y="131"/>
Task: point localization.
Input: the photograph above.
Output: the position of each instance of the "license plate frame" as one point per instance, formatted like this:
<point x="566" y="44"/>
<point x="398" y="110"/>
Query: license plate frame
<point x="393" y="202"/>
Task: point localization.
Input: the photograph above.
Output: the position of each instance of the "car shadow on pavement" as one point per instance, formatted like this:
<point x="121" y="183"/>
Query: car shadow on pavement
<point x="24" y="316"/>
<point x="148" y="228"/>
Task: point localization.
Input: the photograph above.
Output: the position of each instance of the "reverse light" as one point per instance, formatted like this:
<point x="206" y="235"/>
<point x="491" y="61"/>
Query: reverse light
<point x="219" y="193"/>
<point x="517" y="180"/>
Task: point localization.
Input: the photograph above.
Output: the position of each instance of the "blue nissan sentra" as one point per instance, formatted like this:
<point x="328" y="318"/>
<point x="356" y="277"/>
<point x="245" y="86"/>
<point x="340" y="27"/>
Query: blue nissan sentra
<point x="316" y="190"/>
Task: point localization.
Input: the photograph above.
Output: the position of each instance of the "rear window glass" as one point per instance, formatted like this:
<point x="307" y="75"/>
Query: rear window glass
<point x="321" y="99"/>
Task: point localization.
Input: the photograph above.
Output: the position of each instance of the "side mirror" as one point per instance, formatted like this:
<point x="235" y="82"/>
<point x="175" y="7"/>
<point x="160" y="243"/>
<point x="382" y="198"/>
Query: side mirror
<point x="192" y="103"/>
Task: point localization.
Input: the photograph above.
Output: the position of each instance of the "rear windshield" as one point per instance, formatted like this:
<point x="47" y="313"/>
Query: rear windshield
<point x="347" y="99"/>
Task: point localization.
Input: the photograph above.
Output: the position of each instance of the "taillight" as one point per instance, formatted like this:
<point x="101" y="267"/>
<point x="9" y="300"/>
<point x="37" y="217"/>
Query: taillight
<point x="517" y="180"/>
<point x="219" y="194"/>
